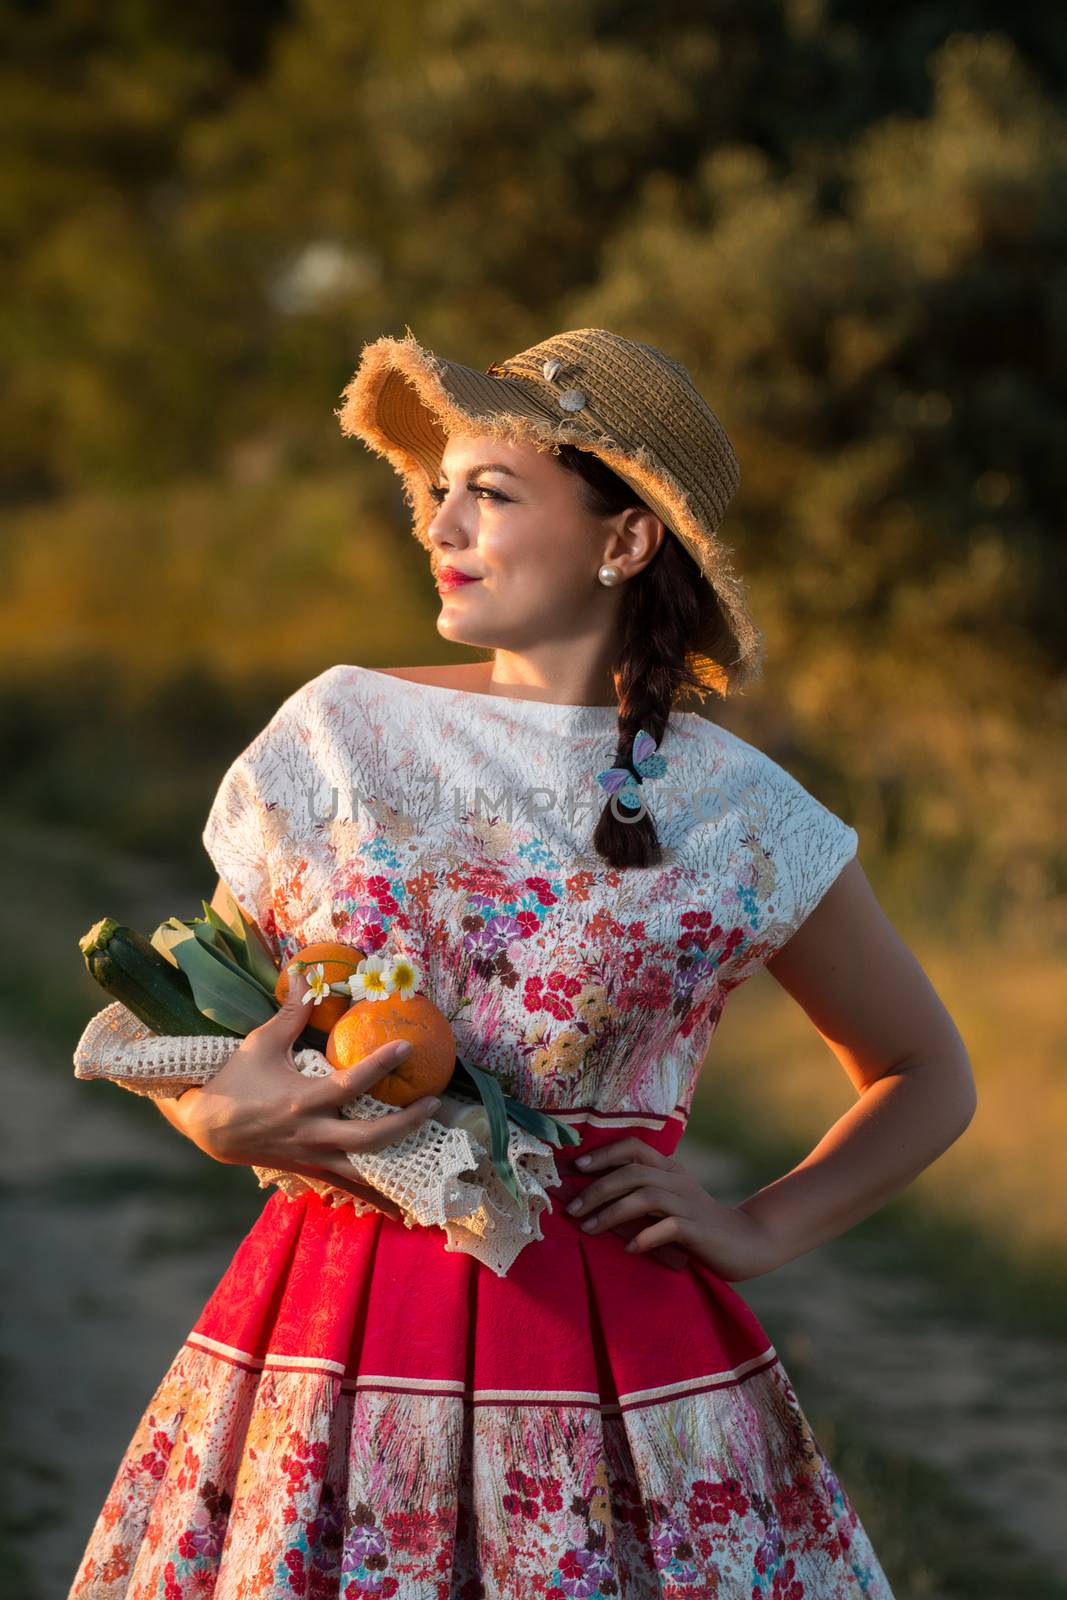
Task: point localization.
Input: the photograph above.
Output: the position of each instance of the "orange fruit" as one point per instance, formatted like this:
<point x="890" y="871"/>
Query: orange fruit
<point x="368" y="1024"/>
<point x="339" y="961"/>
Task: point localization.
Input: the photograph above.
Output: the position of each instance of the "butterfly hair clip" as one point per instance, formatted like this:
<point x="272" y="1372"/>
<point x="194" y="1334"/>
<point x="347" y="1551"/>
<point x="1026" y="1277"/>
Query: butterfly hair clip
<point x="644" y="763"/>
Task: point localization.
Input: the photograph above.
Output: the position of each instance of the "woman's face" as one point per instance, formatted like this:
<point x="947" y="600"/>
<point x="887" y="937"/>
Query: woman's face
<point x="511" y="517"/>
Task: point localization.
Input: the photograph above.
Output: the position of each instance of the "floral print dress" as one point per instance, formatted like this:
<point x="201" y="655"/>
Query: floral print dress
<point x="361" y="1413"/>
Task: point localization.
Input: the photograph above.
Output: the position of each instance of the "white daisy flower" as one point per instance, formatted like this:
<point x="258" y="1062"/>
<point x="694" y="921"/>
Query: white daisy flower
<point x="370" y="979"/>
<point x="317" y="987"/>
<point x="404" y="976"/>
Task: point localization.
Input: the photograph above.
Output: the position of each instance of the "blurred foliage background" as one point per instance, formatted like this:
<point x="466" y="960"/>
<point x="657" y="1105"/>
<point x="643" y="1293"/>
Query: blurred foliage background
<point x="848" y="221"/>
<point x="850" y="226"/>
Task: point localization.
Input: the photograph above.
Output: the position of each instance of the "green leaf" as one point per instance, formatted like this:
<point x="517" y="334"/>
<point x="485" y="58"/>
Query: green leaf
<point x="248" y="950"/>
<point x="493" y="1101"/>
<point x="213" y="940"/>
<point x="224" y="933"/>
<point x="540" y="1124"/>
<point x="221" y="991"/>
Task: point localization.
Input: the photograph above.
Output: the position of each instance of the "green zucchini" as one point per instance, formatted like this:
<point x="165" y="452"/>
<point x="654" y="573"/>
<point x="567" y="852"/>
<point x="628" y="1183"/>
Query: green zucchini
<point x="132" y="970"/>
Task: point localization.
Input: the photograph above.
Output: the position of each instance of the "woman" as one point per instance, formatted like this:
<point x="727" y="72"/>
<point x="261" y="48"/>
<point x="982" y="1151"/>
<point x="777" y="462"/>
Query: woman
<point x="588" y="1408"/>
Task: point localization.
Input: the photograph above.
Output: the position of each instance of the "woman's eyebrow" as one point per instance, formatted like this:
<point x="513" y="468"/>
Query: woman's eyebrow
<point x="486" y="466"/>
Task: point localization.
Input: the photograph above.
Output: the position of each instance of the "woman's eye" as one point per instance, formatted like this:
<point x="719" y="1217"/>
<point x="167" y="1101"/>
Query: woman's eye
<point x="438" y="493"/>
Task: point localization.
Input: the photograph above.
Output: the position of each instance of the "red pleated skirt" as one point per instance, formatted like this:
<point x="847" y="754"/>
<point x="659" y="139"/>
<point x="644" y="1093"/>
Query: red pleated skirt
<point x="359" y="1413"/>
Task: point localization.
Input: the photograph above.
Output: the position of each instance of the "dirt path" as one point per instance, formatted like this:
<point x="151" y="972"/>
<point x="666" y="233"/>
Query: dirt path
<point x="985" y="1408"/>
<point x="91" y="1320"/>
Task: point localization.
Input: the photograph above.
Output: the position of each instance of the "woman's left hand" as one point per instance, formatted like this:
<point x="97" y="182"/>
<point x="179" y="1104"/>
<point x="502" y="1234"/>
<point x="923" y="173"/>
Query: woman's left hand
<point x="634" y="1180"/>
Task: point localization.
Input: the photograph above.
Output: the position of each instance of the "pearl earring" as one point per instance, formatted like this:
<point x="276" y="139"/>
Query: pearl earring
<point x="610" y="576"/>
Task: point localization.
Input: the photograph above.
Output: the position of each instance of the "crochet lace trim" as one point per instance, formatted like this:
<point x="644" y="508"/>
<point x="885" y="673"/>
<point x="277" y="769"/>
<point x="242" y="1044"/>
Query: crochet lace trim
<point x="438" y="1176"/>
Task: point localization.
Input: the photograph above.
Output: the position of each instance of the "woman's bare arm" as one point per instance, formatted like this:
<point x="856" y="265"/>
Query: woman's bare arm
<point x="869" y="998"/>
<point x="170" y="1108"/>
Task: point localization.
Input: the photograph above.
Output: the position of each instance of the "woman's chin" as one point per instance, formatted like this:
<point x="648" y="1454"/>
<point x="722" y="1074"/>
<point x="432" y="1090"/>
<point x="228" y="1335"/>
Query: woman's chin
<point x="450" y="627"/>
<point x="462" y="630"/>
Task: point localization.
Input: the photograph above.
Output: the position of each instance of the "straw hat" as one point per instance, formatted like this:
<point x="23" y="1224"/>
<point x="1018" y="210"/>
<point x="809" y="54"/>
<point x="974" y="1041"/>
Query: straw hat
<point x="627" y="402"/>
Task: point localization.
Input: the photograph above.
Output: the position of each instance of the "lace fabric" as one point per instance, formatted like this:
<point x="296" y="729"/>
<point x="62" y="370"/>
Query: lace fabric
<point x="437" y="1175"/>
<point x="455" y="829"/>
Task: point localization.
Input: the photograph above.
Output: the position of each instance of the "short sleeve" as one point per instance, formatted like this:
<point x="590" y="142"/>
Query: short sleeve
<point x="809" y="843"/>
<point x="773" y="850"/>
<point x="255" y="801"/>
<point x="233" y="836"/>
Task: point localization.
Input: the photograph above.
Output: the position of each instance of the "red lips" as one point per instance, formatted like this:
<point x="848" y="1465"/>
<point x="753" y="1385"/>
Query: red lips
<point x="452" y="578"/>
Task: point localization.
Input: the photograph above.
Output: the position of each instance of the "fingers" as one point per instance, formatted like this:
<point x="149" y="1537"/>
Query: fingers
<point x="619" y="1150"/>
<point x="625" y="1162"/>
<point x="656" y="1241"/>
<point x="327" y="1093"/>
<point x="344" y="1085"/>
<point x="289" y="1020"/>
<point x="655" y="1235"/>
<point x="338" y="1172"/>
<point x="365" y="1133"/>
<point x="646" y="1200"/>
<point x="361" y="1078"/>
<point x="619" y="1180"/>
<point x="379" y="1132"/>
<point x="380" y="1201"/>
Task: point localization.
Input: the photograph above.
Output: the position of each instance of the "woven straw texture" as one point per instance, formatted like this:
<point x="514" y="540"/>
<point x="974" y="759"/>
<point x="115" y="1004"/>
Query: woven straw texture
<point x="640" y="412"/>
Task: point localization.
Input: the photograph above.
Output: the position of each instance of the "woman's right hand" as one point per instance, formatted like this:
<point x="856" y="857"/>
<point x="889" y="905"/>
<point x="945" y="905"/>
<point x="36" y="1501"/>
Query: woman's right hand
<point x="260" y="1110"/>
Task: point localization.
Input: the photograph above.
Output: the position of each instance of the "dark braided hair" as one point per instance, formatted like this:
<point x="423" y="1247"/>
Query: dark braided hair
<point x="671" y="625"/>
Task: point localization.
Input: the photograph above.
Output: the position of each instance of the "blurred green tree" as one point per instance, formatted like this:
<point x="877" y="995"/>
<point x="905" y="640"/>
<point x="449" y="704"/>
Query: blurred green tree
<point x="848" y="224"/>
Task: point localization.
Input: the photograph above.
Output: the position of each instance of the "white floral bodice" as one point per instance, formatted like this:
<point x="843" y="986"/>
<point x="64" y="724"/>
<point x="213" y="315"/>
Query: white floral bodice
<point x="456" y="827"/>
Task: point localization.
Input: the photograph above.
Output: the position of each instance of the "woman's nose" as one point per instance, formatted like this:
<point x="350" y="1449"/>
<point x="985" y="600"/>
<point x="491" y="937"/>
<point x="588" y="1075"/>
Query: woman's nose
<point x="444" y="531"/>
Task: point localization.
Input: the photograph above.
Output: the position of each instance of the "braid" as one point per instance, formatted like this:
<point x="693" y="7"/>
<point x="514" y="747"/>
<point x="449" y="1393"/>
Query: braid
<point x="650" y="672"/>
<point x="673" y="633"/>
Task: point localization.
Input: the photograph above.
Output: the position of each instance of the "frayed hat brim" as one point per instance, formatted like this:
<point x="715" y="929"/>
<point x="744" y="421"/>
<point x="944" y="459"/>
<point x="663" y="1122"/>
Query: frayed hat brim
<point x="404" y="402"/>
